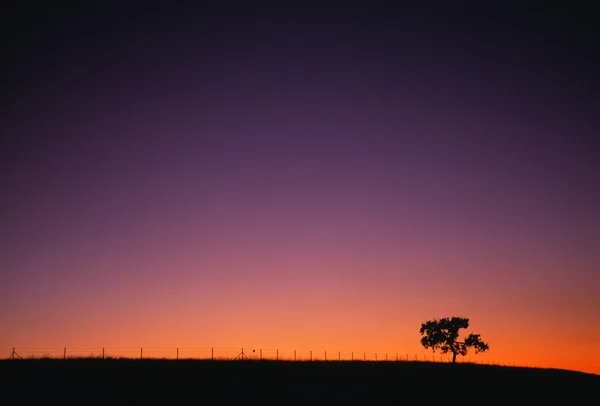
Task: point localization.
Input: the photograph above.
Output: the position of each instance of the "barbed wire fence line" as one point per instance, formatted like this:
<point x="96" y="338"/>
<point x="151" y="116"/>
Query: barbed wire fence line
<point x="244" y="353"/>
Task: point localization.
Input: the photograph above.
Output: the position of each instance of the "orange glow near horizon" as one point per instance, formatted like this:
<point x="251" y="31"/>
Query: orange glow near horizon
<point x="334" y="318"/>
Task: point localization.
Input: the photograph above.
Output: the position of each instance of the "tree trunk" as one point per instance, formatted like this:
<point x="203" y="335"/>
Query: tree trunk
<point x="453" y="357"/>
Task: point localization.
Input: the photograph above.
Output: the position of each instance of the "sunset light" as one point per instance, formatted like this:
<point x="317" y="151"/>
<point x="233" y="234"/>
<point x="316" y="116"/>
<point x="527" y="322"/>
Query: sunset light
<point x="188" y="184"/>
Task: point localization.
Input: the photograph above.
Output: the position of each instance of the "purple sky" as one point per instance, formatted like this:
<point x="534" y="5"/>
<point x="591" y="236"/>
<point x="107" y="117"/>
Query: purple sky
<point x="257" y="146"/>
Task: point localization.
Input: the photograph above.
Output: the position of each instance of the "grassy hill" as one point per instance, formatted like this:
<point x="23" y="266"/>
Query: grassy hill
<point x="128" y="381"/>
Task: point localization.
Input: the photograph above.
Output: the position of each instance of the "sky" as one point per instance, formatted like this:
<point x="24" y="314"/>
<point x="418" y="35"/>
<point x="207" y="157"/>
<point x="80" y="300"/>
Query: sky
<point x="297" y="177"/>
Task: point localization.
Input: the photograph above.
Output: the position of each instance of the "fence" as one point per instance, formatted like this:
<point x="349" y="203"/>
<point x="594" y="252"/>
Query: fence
<point x="240" y="354"/>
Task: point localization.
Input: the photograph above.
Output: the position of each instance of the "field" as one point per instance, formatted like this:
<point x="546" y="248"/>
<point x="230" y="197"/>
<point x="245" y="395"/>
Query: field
<point x="128" y="381"/>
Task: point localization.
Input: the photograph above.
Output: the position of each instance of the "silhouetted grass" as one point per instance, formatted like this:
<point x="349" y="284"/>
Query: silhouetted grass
<point x="130" y="381"/>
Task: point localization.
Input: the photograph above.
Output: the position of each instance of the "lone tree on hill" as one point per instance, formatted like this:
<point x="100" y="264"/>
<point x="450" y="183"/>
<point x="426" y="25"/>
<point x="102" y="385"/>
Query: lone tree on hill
<point x="442" y="335"/>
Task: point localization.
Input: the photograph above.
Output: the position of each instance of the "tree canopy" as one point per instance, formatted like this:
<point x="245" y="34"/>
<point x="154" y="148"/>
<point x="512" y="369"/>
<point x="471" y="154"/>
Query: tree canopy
<point x="442" y="335"/>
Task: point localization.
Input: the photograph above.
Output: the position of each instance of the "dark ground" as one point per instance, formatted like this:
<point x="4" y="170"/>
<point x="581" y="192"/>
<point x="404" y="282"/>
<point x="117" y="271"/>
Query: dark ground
<point x="120" y="381"/>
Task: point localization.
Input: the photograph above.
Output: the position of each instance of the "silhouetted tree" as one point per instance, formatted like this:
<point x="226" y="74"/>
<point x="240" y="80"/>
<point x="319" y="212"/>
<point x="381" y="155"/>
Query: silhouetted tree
<point x="442" y="335"/>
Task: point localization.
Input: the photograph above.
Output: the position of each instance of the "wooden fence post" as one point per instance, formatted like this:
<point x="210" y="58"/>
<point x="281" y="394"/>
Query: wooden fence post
<point x="65" y="353"/>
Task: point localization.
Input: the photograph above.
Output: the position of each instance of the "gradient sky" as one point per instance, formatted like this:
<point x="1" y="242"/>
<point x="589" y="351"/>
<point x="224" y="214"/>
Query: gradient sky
<point x="298" y="178"/>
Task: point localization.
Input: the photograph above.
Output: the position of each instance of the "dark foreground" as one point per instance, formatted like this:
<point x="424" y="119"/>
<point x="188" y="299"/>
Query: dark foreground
<point x="124" y="381"/>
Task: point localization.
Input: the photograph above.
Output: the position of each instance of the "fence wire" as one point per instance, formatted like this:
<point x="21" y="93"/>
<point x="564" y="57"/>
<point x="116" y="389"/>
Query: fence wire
<point x="231" y="354"/>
